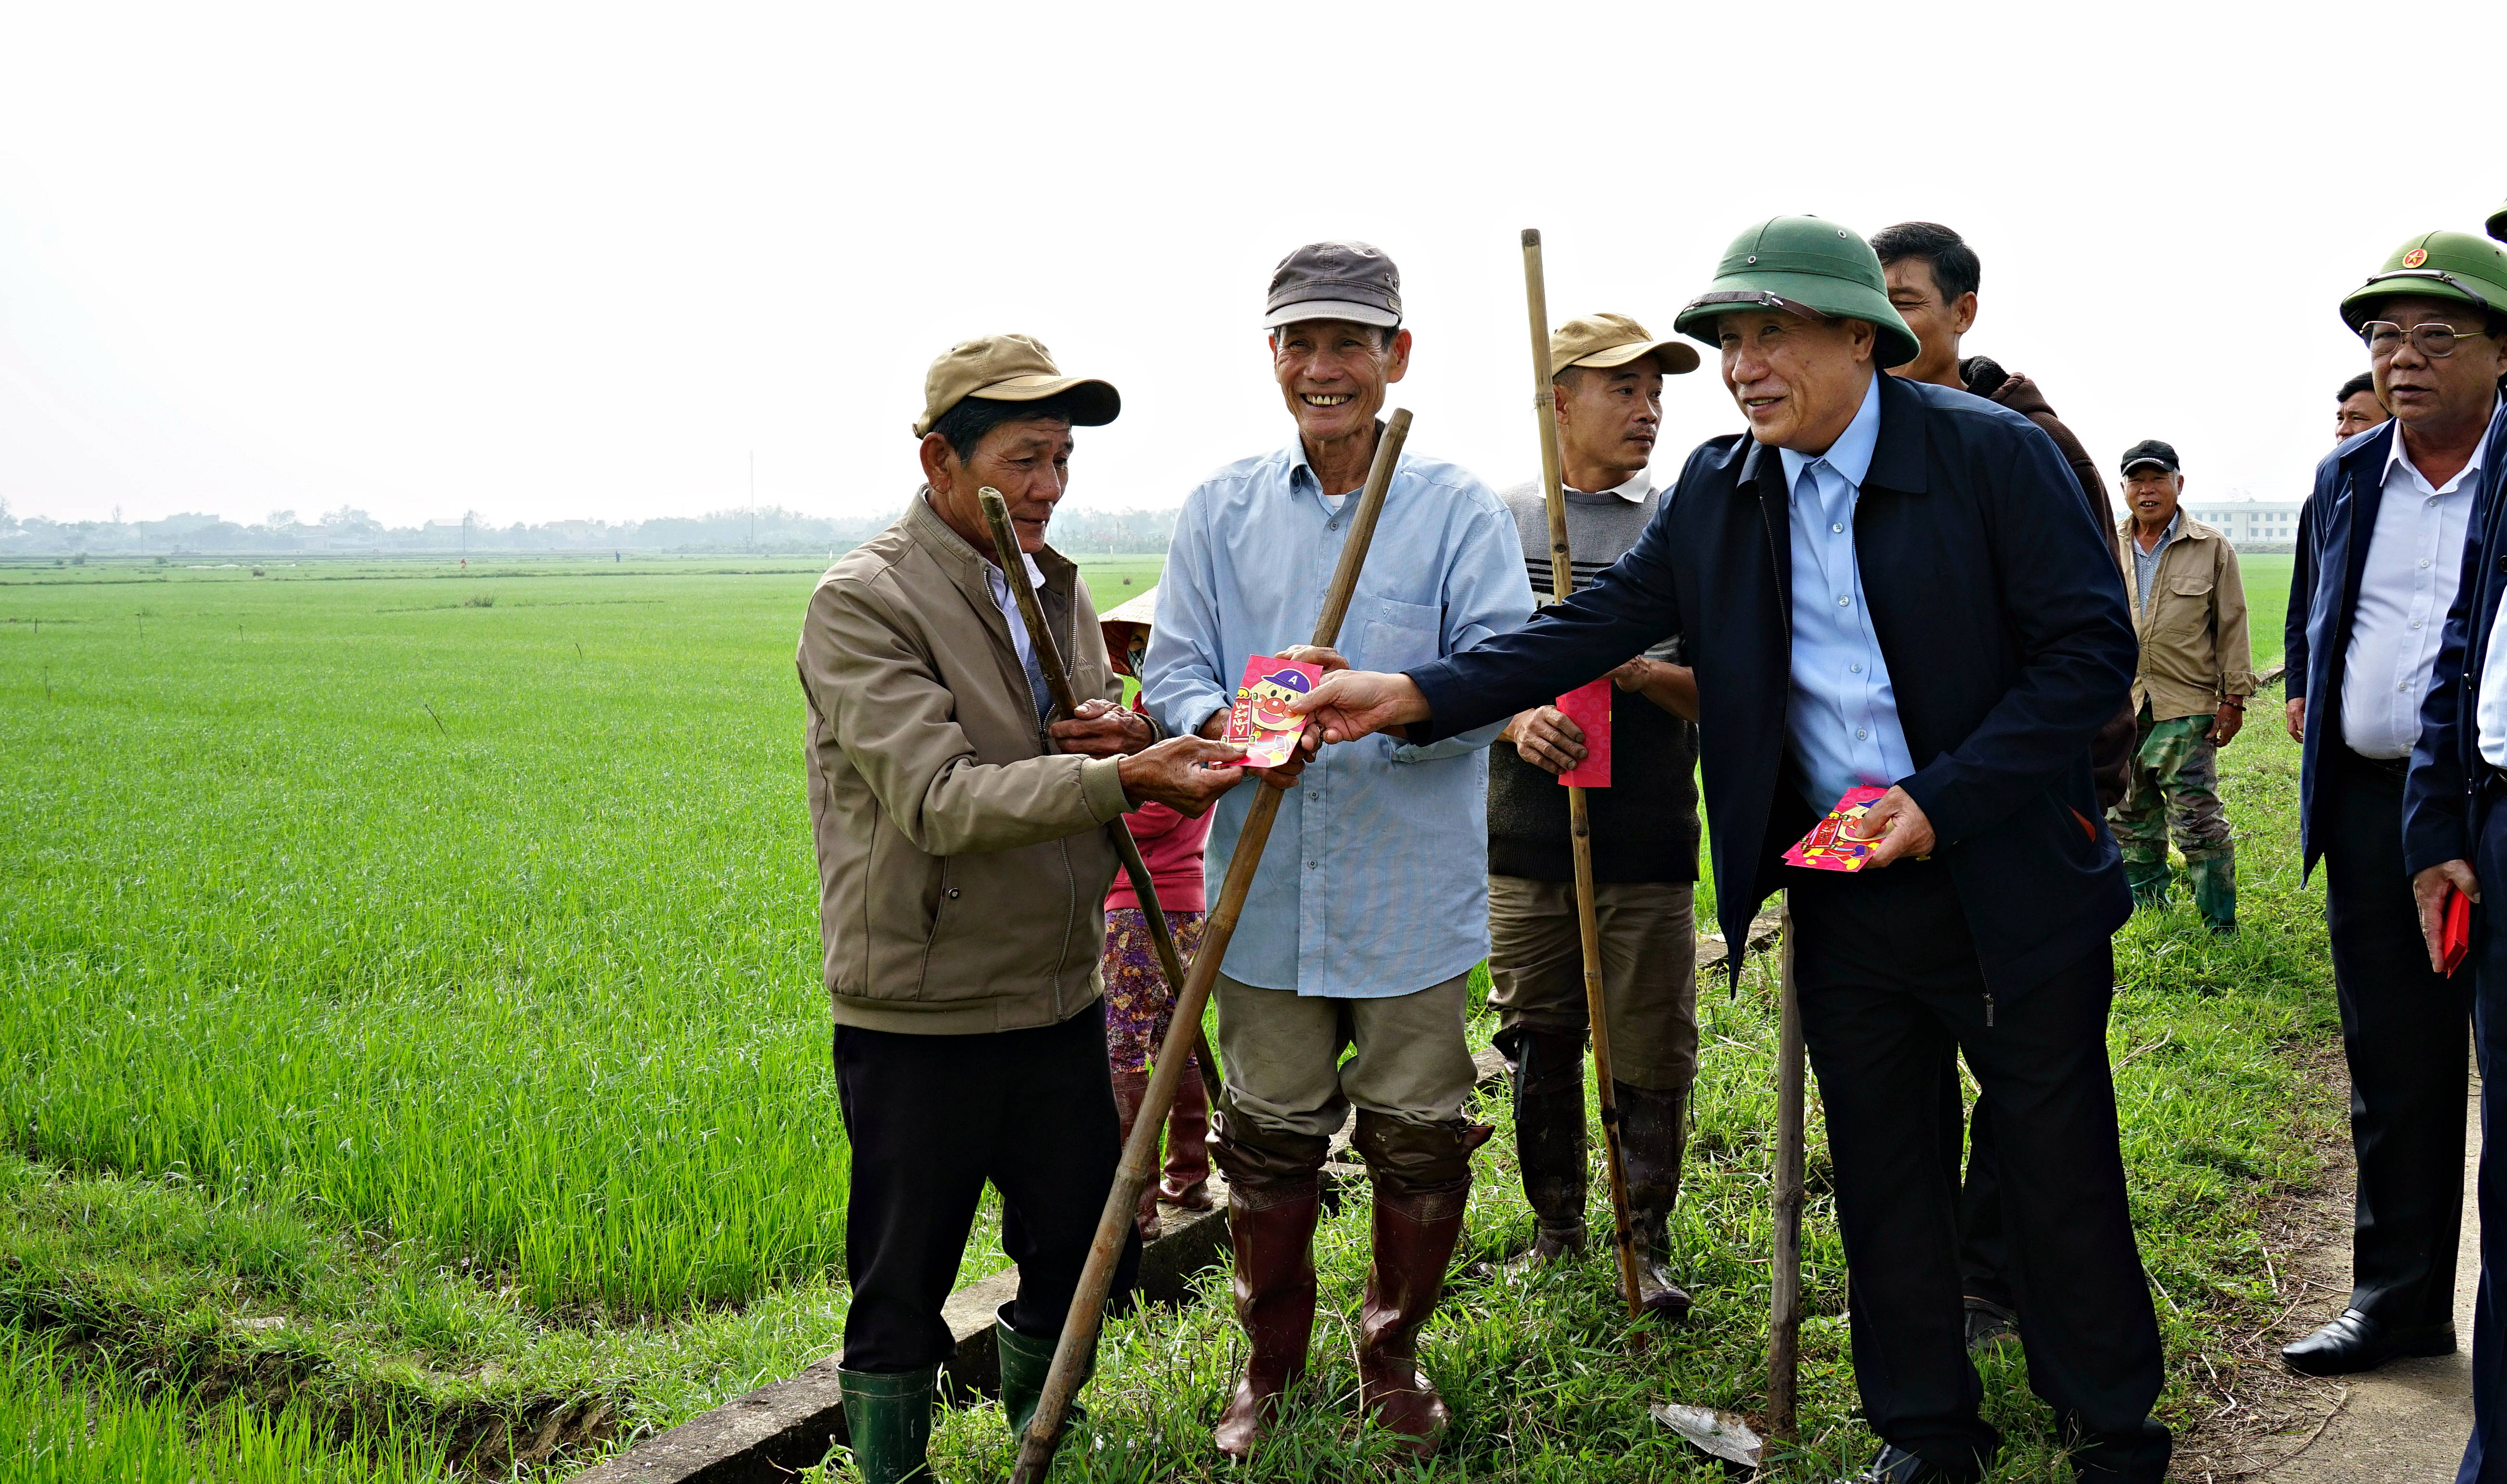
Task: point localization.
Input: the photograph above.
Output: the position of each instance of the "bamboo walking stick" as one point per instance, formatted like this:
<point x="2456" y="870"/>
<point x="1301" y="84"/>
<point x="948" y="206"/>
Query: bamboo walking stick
<point x="1580" y="822"/>
<point x="1784" y="1309"/>
<point x="1057" y="684"/>
<point x="1087" y="1305"/>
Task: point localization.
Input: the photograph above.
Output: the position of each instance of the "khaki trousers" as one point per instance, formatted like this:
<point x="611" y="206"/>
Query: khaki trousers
<point x="1281" y="1051"/>
<point x="1649" y="970"/>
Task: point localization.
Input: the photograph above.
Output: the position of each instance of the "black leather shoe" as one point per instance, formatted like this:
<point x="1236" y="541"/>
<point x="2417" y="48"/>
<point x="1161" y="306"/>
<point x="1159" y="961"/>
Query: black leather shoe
<point x="2355" y="1343"/>
<point x="1989" y="1324"/>
<point x="1896" y="1466"/>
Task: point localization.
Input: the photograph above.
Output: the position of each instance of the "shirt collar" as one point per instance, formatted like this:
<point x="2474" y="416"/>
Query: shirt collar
<point x="2396" y="459"/>
<point x="2175" y="524"/>
<point x="1851" y="454"/>
<point x="999" y="580"/>
<point x="1638" y="486"/>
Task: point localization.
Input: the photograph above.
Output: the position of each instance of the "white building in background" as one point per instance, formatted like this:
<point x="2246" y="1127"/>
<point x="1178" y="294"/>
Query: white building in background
<point x="2250" y="524"/>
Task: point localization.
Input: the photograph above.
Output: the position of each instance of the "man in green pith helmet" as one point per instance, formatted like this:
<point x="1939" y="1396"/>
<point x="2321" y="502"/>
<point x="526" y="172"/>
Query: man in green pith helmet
<point x="1890" y="585"/>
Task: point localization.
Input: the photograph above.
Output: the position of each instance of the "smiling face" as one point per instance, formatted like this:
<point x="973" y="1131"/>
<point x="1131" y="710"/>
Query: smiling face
<point x="1609" y="418"/>
<point x="1029" y="461"/>
<point x="1334" y="375"/>
<point x="2450" y="391"/>
<point x="1937" y="323"/>
<point x="2357" y="414"/>
<point x="1799" y="381"/>
<point x="2152" y="493"/>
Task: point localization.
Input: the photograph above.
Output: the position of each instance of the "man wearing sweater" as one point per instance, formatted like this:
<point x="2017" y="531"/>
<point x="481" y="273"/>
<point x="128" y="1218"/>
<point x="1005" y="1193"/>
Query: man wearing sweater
<point x="1607" y="385"/>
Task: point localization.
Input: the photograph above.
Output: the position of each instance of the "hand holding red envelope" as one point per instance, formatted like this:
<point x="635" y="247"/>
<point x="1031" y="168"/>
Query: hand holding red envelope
<point x="1831" y="845"/>
<point x="1589" y="707"/>
<point x="1260" y="721"/>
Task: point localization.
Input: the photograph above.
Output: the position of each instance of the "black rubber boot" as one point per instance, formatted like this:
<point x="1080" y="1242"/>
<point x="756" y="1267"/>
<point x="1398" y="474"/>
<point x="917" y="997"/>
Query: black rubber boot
<point x="887" y="1422"/>
<point x="1025" y="1363"/>
<point x="1549" y="1070"/>
<point x="1654" y="1137"/>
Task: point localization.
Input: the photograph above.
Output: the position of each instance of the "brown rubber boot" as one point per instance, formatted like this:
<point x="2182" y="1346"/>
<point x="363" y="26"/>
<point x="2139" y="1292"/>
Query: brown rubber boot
<point x="1548" y="1070"/>
<point x="1271" y="1225"/>
<point x="1654" y="1135"/>
<point x="1129" y="1087"/>
<point x="1422" y="1174"/>
<point x="1186" y="1182"/>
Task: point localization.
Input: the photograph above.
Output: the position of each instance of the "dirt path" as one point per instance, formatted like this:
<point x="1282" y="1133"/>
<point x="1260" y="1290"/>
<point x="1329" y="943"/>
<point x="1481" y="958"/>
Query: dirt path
<point x="2404" y="1423"/>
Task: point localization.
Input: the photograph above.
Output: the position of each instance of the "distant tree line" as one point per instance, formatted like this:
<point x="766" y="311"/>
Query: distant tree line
<point x="347" y="531"/>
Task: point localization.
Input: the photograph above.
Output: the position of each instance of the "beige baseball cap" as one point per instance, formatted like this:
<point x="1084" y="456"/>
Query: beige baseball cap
<point x="1605" y="341"/>
<point x="1009" y="368"/>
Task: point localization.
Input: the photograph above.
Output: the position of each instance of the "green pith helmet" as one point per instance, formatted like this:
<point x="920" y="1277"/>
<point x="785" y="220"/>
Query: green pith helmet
<point x="1803" y="261"/>
<point x="2435" y="265"/>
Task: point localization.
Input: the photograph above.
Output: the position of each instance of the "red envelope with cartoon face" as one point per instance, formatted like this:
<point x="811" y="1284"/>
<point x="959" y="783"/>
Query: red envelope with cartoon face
<point x="1260" y="721"/>
<point x="1589" y="707"/>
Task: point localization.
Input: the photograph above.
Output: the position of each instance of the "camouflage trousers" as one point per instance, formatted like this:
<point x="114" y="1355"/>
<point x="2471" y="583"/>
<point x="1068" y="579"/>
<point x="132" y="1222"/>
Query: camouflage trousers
<point x="2176" y="790"/>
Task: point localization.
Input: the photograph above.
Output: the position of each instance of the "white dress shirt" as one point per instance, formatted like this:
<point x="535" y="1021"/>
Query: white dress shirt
<point x="2415" y="559"/>
<point x="1007" y="601"/>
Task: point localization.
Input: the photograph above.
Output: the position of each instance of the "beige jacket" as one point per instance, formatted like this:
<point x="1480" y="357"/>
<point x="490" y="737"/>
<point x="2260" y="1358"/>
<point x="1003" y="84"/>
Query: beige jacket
<point x="2192" y="630"/>
<point x="962" y="868"/>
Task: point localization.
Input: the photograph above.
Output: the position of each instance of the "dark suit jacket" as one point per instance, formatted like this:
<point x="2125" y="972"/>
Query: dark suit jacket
<point x="1995" y="600"/>
<point x="2441" y="807"/>
<point x="2333" y="530"/>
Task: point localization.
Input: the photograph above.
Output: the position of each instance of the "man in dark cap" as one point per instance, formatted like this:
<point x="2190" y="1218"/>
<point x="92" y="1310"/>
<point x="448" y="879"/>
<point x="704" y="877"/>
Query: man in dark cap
<point x="1891" y="584"/>
<point x="1371" y="908"/>
<point x="2378" y="565"/>
<point x="1606" y="389"/>
<point x="2189" y="697"/>
<point x="961" y="857"/>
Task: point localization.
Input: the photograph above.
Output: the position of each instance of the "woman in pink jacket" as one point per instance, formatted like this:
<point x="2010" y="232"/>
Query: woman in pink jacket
<point x="1139" y="1003"/>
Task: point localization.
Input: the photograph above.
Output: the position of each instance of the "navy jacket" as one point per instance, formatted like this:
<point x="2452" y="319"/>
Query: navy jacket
<point x="2439" y="806"/>
<point x="1994" y="598"/>
<point x="2333" y="530"/>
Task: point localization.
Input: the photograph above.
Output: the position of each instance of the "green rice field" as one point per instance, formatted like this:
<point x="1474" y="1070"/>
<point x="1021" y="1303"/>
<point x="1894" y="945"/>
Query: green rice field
<point x="416" y="1062"/>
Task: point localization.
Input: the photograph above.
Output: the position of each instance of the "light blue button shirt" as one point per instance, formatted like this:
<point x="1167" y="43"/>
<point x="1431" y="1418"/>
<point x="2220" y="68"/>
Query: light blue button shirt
<point x="1843" y="714"/>
<point x="1375" y="882"/>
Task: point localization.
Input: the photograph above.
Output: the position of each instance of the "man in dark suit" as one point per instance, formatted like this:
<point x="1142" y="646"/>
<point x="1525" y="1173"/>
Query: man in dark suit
<point x="2381" y="548"/>
<point x="1891" y="583"/>
<point x="2436" y="330"/>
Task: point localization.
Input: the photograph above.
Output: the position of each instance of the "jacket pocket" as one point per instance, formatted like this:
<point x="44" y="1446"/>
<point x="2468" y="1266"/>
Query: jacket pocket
<point x="1397" y="635"/>
<point x="2185" y="607"/>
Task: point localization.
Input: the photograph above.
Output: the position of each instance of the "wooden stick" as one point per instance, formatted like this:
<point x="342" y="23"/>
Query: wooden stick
<point x="1066" y="699"/>
<point x="1087" y="1305"/>
<point x="1579" y="819"/>
<point x="1784" y="1310"/>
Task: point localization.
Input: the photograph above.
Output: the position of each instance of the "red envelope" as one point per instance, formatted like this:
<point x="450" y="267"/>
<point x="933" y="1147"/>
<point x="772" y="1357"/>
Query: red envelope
<point x="1589" y="707"/>
<point x="2455" y="933"/>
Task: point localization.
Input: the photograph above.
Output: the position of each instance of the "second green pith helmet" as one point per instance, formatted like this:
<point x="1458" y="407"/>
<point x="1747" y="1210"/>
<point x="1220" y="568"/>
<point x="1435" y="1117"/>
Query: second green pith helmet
<point x="2434" y="264"/>
<point x="1805" y="260"/>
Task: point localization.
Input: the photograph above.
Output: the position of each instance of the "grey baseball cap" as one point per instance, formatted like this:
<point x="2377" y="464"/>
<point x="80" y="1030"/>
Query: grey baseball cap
<point x="1335" y="280"/>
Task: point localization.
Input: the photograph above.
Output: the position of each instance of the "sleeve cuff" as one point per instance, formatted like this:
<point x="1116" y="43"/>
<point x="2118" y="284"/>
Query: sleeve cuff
<point x="1100" y="784"/>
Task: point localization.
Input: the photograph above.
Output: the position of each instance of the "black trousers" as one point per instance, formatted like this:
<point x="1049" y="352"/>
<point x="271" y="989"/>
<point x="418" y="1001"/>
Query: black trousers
<point x="1984" y="1242"/>
<point x="932" y="1118"/>
<point x="2405" y="1032"/>
<point x="1890" y="988"/>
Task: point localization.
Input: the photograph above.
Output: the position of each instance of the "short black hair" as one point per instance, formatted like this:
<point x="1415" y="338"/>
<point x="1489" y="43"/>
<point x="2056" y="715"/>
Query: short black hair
<point x="1954" y="264"/>
<point x="2363" y="382"/>
<point x="965" y="424"/>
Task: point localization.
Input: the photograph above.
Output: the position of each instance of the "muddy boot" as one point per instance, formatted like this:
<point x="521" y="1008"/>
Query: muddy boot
<point x="1654" y="1135"/>
<point x="2213" y="873"/>
<point x="1548" y="1076"/>
<point x="1186" y="1180"/>
<point x="1025" y="1362"/>
<point x="887" y="1422"/>
<point x="2147" y="877"/>
<point x="1129" y="1087"/>
<point x="1422" y="1178"/>
<point x="1274" y="1194"/>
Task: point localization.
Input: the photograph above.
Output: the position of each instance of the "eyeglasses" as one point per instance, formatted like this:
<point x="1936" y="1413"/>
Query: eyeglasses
<point x="2435" y="340"/>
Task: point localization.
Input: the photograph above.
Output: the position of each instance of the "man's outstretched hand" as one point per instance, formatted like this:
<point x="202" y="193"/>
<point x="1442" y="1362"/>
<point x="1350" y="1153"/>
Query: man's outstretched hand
<point x="1351" y="704"/>
<point x="1185" y="773"/>
<point x="1898" y="823"/>
<point x="1102" y="729"/>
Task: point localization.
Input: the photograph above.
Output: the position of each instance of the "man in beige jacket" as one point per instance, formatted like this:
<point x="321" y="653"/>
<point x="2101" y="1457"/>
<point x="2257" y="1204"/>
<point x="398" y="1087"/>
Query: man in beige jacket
<point x="962" y="861"/>
<point x="2190" y="698"/>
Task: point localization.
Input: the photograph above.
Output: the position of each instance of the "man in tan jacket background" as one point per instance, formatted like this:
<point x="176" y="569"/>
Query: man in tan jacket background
<point x="2190" y="698"/>
<point x="963" y="862"/>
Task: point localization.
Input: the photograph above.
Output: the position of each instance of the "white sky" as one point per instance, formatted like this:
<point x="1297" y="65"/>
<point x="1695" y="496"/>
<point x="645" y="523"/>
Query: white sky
<point x="550" y="263"/>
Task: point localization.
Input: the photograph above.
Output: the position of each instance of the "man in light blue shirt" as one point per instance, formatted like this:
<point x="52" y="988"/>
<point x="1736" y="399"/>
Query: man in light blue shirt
<point x="1845" y="731"/>
<point x="1371" y="904"/>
